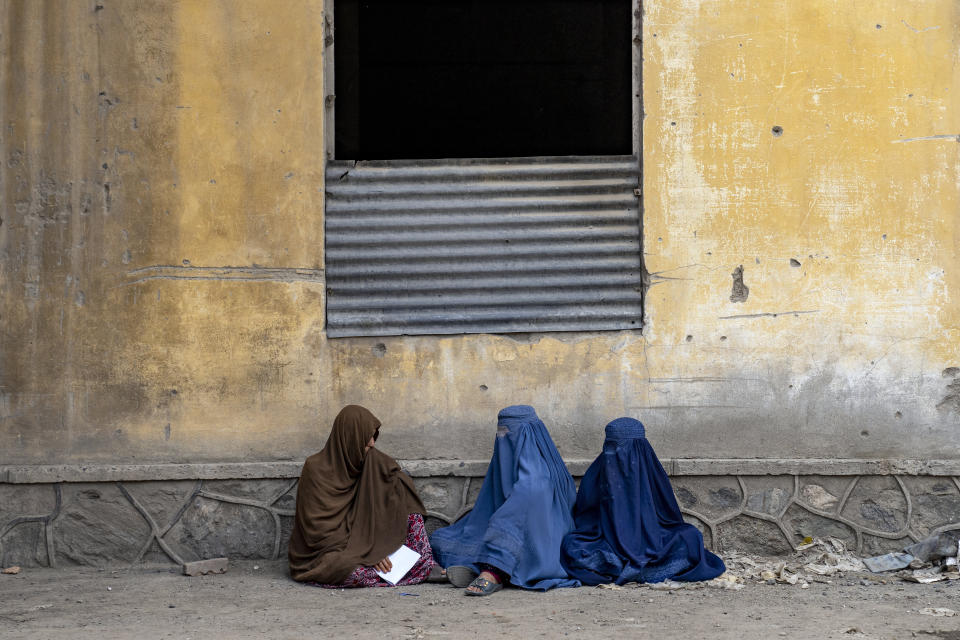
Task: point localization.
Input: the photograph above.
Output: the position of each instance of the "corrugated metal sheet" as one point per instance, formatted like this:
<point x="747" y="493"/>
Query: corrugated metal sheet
<point x="482" y="246"/>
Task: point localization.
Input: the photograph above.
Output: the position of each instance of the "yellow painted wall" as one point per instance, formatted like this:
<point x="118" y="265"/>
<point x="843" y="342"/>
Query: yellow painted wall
<point x="161" y="283"/>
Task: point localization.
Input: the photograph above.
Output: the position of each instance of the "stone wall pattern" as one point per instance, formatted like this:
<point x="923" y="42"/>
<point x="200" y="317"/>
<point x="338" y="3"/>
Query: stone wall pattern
<point x="177" y="521"/>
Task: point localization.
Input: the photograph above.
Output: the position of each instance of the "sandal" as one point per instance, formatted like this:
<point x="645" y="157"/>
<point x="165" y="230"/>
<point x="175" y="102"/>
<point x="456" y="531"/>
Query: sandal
<point x="486" y="587"/>
<point x="437" y="574"/>
<point x="460" y="576"/>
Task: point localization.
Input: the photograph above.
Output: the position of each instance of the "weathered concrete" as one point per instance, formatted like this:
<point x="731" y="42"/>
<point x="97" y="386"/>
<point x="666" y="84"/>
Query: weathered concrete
<point x="110" y="516"/>
<point x="97" y="525"/>
<point x="162" y="269"/>
<point x="30" y="474"/>
<point x="34" y="474"/>
<point x="176" y="521"/>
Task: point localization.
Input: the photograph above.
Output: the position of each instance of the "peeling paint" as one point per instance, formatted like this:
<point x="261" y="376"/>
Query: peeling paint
<point x="121" y="284"/>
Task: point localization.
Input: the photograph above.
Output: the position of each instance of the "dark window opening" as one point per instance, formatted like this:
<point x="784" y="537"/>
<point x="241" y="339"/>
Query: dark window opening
<point x="418" y="79"/>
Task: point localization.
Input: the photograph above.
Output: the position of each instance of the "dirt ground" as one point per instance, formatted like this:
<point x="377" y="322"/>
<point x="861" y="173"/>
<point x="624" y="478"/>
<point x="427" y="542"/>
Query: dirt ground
<point x="258" y="600"/>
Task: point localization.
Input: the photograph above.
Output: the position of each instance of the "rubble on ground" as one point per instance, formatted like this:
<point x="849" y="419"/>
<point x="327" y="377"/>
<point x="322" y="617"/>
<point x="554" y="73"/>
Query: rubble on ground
<point x="811" y="562"/>
<point x="929" y="560"/>
<point x="817" y="560"/>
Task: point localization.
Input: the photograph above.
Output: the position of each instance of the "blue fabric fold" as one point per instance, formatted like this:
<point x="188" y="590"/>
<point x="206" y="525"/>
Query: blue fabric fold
<point x="628" y="526"/>
<point x="522" y="512"/>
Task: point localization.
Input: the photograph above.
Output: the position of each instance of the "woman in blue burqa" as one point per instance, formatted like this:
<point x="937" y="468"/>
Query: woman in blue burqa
<point x="514" y="531"/>
<point x="628" y="526"/>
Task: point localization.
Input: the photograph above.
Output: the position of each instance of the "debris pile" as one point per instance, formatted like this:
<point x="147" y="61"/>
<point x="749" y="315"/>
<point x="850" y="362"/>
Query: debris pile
<point x="930" y="560"/>
<point x="816" y="560"/>
<point x="811" y="561"/>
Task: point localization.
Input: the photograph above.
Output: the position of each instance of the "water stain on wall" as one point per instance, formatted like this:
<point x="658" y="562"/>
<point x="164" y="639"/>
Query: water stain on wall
<point x="951" y="401"/>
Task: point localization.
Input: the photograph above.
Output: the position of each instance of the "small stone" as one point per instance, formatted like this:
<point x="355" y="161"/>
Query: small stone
<point x="109" y="588"/>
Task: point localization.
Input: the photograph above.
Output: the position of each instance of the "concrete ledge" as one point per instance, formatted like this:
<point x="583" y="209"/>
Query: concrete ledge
<point x="35" y="474"/>
<point x="39" y="474"/>
<point x="809" y="466"/>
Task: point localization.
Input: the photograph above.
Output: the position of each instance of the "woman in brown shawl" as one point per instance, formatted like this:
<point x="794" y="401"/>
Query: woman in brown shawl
<point x="355" y="507"/>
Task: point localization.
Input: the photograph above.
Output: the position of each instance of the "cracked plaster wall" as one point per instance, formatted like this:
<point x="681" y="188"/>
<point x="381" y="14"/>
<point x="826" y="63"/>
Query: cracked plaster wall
<point x="161" y="247"/>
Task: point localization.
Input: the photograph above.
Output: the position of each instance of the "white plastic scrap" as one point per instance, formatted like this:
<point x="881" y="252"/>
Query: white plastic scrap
<point x="666" y="585"/>
<point x="726" y="581"/>
<point x="925" y="576"/>
<point x="826" y="557"/>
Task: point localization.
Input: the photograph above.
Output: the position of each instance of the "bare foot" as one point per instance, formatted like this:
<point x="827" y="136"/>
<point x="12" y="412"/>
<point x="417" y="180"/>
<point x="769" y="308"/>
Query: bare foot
<point x="486" y="575"/>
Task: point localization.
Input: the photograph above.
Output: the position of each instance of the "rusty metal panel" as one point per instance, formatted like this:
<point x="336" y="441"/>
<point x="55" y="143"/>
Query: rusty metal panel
<point x="483" y="246"/>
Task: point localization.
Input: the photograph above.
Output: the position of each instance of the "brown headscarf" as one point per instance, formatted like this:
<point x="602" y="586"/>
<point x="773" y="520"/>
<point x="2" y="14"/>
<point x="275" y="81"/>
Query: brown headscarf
<point x="352" y="507"/>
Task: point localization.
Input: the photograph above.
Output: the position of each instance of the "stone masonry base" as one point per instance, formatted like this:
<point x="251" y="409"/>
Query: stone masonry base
<point x="154" y="514"/>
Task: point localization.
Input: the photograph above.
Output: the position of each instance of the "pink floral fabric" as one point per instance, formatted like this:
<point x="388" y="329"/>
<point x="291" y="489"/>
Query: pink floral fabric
<point x="417" y="540"/>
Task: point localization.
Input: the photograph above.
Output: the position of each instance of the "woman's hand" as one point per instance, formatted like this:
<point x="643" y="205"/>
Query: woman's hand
<point x="384" y="566"/>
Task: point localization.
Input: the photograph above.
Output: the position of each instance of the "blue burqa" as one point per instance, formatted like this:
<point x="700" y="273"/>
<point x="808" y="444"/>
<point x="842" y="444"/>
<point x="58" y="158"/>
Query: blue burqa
<point x="523" y="511"/>
<point x="628" y="526"/>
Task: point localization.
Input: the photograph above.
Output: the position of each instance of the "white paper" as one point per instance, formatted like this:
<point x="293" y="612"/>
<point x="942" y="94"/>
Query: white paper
<point x="403" y="560"/>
